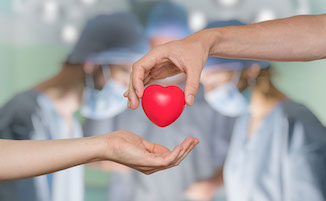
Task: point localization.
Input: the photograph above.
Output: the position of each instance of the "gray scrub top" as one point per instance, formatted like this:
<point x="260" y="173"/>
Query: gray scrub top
<point x="284" y="160"/>
<point x="31" y="115"/>
<point x="199" y="121"/>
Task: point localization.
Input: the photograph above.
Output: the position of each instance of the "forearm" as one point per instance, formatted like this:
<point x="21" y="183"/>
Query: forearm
<point x="299" y="38"/>
<point x="21" y="159"/>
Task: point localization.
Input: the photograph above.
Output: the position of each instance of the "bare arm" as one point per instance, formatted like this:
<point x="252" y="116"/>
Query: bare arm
<point x="26" y="158"/>
<point x="299" y="38"/>
<point x="21" y="159"/>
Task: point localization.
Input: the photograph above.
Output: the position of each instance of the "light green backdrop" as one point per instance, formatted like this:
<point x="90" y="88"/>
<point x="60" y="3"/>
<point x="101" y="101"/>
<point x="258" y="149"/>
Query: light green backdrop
<point x="22" y="67"/>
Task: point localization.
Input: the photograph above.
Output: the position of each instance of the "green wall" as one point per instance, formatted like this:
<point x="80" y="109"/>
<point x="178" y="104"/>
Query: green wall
<point x="305" y="83"/>
<point x="24" y="66"/>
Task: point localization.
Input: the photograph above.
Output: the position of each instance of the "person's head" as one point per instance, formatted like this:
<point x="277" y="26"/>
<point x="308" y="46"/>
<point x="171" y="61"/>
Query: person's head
<point x="166" y="22"/>
<point x="224" y="79"/>
<point x="257" y="76"/>
<point x="220" y="78"/>
<point x="106" y="50"/>
<point x="218" y="71"/>
<point x="107" y="41"/>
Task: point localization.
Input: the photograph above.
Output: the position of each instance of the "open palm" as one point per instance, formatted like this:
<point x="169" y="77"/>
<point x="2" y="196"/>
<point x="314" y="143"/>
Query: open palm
<point x="133" y="151"/>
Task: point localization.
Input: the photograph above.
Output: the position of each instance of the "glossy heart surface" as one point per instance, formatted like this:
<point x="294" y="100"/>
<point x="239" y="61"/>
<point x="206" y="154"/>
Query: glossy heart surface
<point x="163" y="105"/>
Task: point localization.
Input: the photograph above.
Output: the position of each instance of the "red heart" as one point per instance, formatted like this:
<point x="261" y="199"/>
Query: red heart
<point x="163" y="105"/>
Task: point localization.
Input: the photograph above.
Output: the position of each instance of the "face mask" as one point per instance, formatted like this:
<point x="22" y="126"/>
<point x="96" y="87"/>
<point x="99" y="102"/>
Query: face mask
<point x="227" y="100"/>
<point x="105" y="103"/>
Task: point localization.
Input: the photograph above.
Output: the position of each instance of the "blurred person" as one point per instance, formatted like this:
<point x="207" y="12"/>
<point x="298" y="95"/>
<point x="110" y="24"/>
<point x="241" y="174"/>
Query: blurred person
<point x="254" y="161"/>
<point x="278" y="149"/>
<point x="167" y="22"/>
<point x="220" y="78"/>
<point x="128" y="44"/>
<point x="47" y="112"/>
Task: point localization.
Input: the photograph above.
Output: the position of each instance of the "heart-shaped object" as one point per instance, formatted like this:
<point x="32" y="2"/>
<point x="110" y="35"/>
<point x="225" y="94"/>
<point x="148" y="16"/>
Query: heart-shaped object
<point x="163" y="105"/>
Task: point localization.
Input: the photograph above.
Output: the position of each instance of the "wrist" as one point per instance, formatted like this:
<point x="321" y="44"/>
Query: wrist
<point x="211" y="39"/>
<point x="99" y="146"/>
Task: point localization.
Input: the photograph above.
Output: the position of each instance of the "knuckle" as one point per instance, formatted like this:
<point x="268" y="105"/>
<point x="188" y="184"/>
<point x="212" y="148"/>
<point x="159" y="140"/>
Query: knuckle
<point x="135" y="65"/>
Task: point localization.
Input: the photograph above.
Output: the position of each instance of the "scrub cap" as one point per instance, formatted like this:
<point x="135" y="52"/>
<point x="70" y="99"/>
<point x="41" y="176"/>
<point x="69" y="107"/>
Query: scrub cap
<point x="169" y="20"/>
<point x="110" y="39"/>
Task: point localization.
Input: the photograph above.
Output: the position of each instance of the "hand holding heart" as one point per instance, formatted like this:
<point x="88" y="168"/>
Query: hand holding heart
<point x="188" y="56"/>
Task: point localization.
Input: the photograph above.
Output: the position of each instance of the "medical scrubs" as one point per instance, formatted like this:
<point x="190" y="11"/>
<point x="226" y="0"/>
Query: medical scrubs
<point x="284" y="160"/>
<point x="31" y="116"/>
<point x="196" y="121"/>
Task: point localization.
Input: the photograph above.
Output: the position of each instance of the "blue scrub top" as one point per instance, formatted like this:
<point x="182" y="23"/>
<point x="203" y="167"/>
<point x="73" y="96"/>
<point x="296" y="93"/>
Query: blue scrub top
<point x="284" y="160"/>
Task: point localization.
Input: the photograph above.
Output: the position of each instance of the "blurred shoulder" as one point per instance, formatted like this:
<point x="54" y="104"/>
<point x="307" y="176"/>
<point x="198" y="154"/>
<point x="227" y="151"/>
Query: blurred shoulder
<point x="296" y="112"/>
<point x="305" y="133"/>
<point x="22" y="103"/>
<point x="16" y="115"/>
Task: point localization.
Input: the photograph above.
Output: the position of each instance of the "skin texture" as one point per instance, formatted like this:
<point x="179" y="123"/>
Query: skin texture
<point x="47" y="156"/>
<point x="299" y="38"/>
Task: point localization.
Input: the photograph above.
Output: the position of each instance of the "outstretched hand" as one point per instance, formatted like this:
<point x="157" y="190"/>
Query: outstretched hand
<point x="188" y="56"/>
<point x="133" y="151"/>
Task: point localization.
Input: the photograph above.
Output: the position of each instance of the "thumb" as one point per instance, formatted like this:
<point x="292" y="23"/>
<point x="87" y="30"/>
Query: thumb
<point x="192" y="85"/>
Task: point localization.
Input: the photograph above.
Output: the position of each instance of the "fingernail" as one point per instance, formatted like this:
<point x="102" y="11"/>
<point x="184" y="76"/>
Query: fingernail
<point x="190" y="99"/>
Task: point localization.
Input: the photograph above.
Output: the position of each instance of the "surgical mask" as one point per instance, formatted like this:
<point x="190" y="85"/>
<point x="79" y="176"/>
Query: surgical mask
<point x="227" y="99"/>
<point x="105" y="103"/>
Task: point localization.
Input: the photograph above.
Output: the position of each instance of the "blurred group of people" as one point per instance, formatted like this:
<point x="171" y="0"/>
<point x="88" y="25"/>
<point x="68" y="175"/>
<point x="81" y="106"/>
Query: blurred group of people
<point x="255" y="142"/>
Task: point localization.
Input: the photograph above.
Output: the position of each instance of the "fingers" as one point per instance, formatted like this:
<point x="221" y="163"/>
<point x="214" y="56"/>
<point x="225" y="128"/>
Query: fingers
<point x="142" y="68"/>
<point x="159" y="156"/>
<point x="137" y="81"/>
<point x="157" y="162"/>
<point x="133" y="100"/>
<point x="187" y="149"/>
<point x="173" y="156"/>
<point x="149" y="146"/>
<point x="185" y="144"/>
<point x="192" y="84"/>
<point x="126" y="94"/>
<point x="178" y="154"/>
<point x="147" y="80"/>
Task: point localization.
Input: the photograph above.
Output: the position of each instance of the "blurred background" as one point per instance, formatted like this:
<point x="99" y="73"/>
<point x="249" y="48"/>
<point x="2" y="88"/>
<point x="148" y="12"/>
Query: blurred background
<point x="36" y="35"/>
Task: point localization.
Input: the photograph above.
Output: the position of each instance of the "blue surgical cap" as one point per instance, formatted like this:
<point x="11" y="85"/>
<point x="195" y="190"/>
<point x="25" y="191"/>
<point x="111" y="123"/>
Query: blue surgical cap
<point x="110" y="39"/>
<point x="168" y="20"/>
<point x="230" y="64"/>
